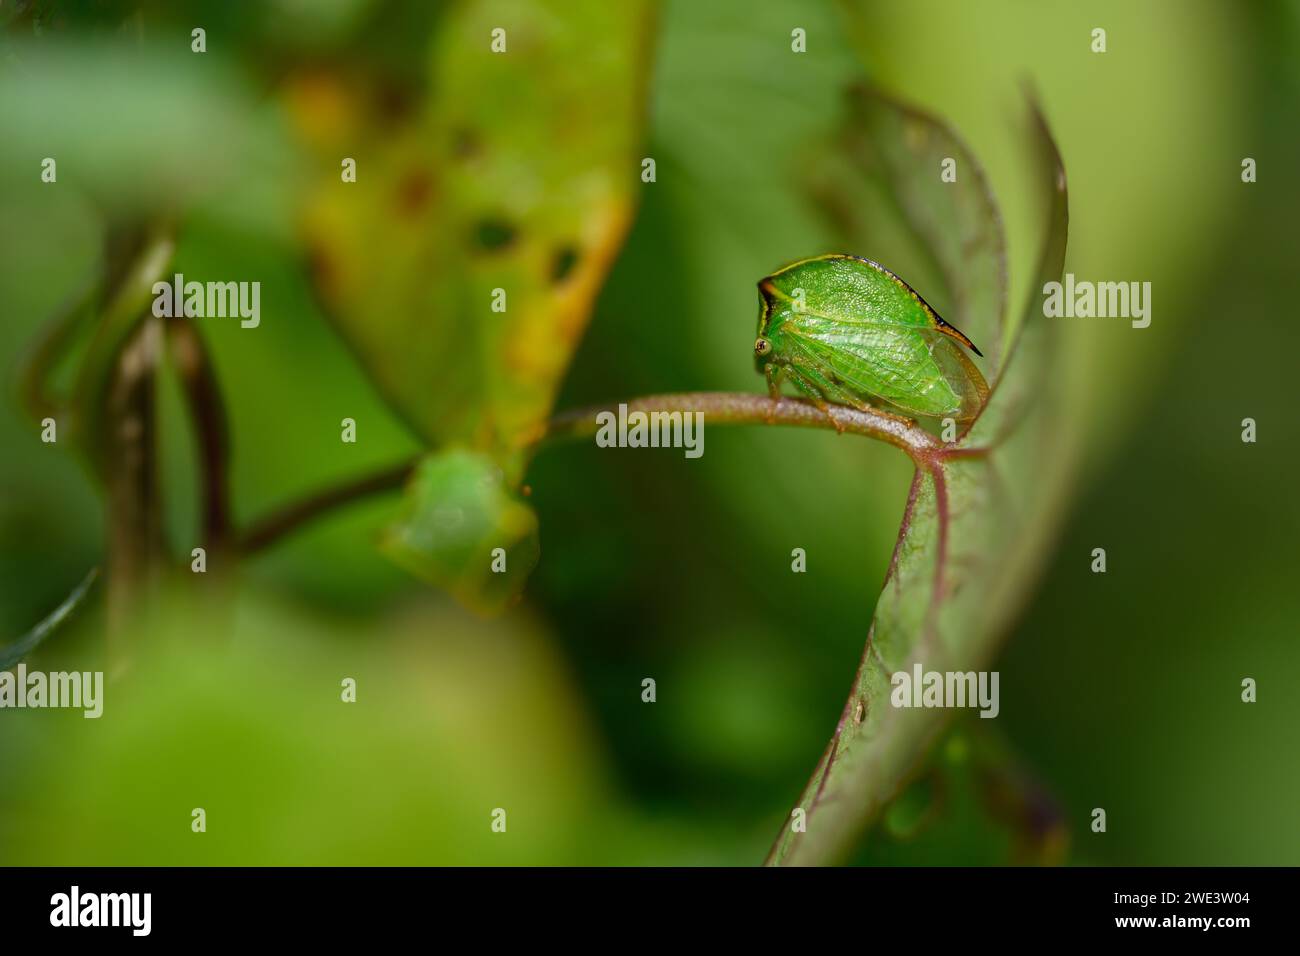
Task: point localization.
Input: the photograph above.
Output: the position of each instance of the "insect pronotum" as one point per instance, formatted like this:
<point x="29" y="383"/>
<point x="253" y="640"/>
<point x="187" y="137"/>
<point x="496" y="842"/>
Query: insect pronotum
<point x="846" y="330"/>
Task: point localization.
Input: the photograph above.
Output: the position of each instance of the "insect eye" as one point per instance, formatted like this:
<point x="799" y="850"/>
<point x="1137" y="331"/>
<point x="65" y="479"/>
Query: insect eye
<point x="762" y="347"/>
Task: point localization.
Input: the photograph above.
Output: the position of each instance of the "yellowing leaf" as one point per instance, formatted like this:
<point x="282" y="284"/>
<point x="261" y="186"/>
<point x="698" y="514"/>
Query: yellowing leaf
<point x="510" y="182"/>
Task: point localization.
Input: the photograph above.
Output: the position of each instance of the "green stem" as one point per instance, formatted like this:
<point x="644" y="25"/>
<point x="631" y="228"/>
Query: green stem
<point x="51" y="346"/>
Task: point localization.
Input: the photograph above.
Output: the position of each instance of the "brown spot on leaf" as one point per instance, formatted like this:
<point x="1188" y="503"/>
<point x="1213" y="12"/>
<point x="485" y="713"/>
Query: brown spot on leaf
<point x="414" y="191"/>
<point x="322" y="268"/>
<point x="395" y="101"/>
<point x="465" y="144"/>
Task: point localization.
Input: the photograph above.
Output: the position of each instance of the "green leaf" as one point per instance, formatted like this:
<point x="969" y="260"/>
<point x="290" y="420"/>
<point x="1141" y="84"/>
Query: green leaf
<point x="978" y="517"/>
<point x="518" y="171"/>
<point x="463" y="530"/>
<point x="881" y="184"/>
<point x="142" y="128"/>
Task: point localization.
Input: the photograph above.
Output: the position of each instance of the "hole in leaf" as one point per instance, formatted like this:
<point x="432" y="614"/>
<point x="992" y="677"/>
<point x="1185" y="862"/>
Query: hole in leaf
<point x="565" y="259"/>
<point x="494" y="234"/>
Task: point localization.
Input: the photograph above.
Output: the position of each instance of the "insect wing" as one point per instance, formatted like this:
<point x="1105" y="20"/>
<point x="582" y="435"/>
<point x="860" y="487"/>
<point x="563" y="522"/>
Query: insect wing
<point x="919" y="370"/>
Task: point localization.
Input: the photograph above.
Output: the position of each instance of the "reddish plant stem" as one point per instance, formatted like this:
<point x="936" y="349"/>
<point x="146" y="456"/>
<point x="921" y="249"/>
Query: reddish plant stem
<point x="725" y="408"/>
<point x="265" y="532"/>
<point x="208" y="416"/>
<point x="745" y="408"/>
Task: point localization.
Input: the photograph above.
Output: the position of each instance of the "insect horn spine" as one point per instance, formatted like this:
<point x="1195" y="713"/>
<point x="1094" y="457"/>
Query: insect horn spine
<point x="956" y="333"/>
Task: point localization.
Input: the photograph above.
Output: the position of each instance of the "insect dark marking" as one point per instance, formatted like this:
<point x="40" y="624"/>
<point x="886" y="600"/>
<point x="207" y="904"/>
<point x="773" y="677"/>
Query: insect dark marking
<point x="955" y="333"/>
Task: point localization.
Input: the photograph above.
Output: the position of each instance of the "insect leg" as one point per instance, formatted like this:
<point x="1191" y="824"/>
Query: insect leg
<point x="772" y="372"/>
<point x="830" y="386"/>
<point x="808" y="381"/>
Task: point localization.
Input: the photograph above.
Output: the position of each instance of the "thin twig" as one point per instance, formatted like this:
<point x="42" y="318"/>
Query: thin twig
<point x="747" y="408"/>
<point x="208" y="415"/>
<point x="15" y="652"/>
<point x="275" y="526"/>
<point x="135" y="541"/>
<point x="719" y="408"/>
<point x="116" y="397"/>
<point x="51" y="345"/>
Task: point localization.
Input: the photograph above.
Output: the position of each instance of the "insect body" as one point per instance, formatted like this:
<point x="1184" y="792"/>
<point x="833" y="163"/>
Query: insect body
<point x="847" y="330"/>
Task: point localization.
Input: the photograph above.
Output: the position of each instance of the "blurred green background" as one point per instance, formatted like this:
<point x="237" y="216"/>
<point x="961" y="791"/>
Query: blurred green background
<point x="1119" y="691"/>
